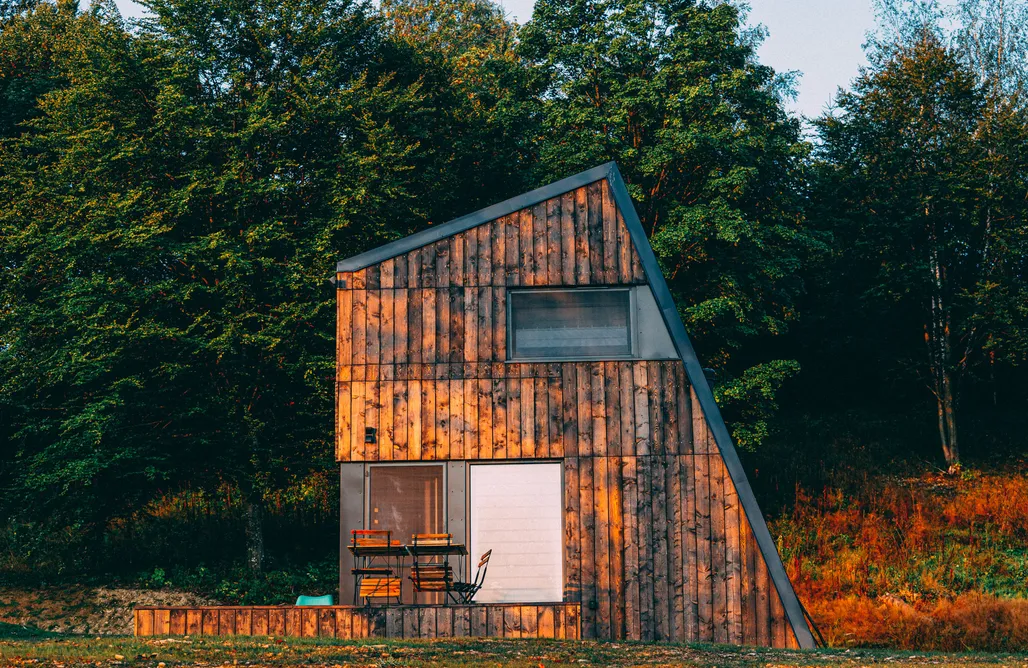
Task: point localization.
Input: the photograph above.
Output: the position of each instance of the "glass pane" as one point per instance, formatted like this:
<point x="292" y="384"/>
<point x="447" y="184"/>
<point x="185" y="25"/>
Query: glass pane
<point x="407" y="500"/>
<point x="570" y="323"/>
<point x="516" y="511"/>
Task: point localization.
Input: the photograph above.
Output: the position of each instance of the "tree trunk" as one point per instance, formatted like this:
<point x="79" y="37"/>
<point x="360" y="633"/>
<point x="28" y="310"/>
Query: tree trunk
<point x="254" y="535"/>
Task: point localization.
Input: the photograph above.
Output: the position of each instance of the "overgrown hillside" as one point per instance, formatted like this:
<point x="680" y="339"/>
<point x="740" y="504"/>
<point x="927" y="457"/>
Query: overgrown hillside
<point x="927" y="562"/>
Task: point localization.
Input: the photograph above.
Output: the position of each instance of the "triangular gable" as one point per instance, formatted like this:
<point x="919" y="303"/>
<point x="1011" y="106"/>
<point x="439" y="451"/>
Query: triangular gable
<point x="644" y="262"/>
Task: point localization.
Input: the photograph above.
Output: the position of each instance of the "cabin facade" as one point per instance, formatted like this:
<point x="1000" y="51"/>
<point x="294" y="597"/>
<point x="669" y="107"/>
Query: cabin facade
<point x="520" y="378"/>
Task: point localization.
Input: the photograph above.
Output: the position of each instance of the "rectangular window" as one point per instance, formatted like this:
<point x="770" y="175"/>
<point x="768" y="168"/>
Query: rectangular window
<point x="516" y="511"/>
<point x="570" y="324"/>
<point x="407" y="500"/>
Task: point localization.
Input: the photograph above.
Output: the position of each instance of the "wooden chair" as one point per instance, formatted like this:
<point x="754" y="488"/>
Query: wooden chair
<point x="371" y="580"/>
<point x="465" y="591"/>
<point x="431" y="574"/>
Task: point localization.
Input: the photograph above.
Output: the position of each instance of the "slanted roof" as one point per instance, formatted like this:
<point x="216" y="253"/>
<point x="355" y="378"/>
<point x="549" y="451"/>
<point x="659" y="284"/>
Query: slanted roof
<point x="694" y="371"/>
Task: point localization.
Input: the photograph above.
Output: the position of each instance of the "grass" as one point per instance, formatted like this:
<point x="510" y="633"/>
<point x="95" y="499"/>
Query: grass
<point x="68" y="651"/>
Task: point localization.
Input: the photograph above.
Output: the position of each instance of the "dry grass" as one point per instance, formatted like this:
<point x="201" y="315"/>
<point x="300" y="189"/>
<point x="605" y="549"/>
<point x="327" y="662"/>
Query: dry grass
<point x="933" y="562"/>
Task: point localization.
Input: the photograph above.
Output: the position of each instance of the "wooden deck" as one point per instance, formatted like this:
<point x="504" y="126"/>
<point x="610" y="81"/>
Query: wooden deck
<point x="344" y="622"/>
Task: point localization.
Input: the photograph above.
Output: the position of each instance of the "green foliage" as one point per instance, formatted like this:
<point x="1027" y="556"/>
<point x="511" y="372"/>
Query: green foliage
<point x="672" y="91"/>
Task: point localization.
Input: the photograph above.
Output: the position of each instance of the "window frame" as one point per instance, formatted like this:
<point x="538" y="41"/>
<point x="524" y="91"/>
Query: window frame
<point x="633" y="339"/>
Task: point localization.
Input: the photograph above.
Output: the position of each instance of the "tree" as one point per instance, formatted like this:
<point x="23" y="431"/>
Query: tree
<point x="172" y="209"/>
<point x="671" y="89"/>
<point x="912" y="177"/>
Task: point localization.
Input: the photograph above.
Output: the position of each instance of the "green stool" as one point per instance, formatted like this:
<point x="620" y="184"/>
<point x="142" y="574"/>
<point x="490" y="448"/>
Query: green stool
<point x="314" y="600"/>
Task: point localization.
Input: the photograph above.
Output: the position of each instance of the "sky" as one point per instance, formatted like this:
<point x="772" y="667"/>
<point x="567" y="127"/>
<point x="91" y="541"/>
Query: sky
<point x="821" y="39"/>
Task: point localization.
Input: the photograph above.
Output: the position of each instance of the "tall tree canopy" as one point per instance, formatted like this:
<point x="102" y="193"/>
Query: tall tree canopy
<point x="174" y="201"/>
<point x="672" y="90"/>
<point x="921" y="180"/>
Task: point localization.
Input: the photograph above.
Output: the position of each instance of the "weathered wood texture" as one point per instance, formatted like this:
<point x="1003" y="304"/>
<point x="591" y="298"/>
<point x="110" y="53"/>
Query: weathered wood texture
<point x="657" y="545"/>
<point x="522" y="620"/>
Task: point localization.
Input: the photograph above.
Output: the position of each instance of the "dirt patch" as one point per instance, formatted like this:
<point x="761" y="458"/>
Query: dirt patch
<point x="92" y="610"/>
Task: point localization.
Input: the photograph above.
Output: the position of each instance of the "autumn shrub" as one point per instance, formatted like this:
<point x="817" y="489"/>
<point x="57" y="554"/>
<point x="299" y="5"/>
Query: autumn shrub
<point x="931" y="562"/>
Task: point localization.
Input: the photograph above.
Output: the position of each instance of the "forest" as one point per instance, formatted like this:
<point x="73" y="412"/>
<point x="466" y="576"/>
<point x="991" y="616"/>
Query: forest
<point x="175" y="192"/>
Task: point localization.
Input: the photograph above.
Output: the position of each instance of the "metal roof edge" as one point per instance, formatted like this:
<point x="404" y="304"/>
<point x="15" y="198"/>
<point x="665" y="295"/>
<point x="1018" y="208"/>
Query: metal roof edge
<point x="468" y="221"/>
<point x="694" y="371"/>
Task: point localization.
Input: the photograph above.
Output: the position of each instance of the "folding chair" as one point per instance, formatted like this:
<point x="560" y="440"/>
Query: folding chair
<point x="431" y="574"/>
<point x="371" y="580"/>
<point x="466" y="591"/>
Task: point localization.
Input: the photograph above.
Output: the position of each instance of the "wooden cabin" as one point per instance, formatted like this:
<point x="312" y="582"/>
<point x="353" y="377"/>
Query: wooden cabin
<point x="521" y="379"/>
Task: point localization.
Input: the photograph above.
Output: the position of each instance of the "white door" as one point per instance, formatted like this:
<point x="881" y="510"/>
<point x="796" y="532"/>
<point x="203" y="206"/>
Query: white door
<point x="516" y="511"/>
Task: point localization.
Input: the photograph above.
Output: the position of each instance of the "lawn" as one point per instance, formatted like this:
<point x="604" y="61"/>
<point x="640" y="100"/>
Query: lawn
<point x="23" y="647"/>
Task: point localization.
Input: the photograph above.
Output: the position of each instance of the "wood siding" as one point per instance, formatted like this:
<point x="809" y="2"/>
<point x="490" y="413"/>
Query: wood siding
<point x="658" y="546"/>
<point x="549" y="620"/>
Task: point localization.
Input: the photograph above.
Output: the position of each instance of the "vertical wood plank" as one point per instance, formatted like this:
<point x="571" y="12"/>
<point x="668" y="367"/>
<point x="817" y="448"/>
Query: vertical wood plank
<point x="689" y="572"/>
<point x="457" y="428"/>
<point x="590" y="599"/>
<point x="599" y="410"/>
<point x="555" y="416"/>
<point x="601" y="537"/>
<point x="595" y="217"/>
<point x="585" y="413"/>
<point x="401" y="338"/>
<point x="529" y="270"/>
<point x="631" y="519"/>
<point x="567" y="239"/>
<point x="704" y="574"/>
<point x="210" y="621"/>
<point x="374" y="328"/>
<point x="344" y="435"/>
<point x="388" y="326"/>
<point x="226" y="622"/>
<point x="717" y="548"/>
<point x="485" y="254"/>
<point x="177" y="623"/>
<point x="442" y="419"/>
<point x="244" y="622"/>
<point x="479" y="621"/>
<point x="733" y="562"/>
<point x="499" y="411"/>
<point x="386" y="423"/>
<point x="144" y="623"/>
<point x="676" y="549"/>
<point x="358" y="415"/>
<point x="572" y="531"/>
<point x="259" y="621"/>
<point x="569" y="409"/>
<point x="626" y="250"/>
<point x="582" y="237"/>
<point x="277" y="622"/>
<point x="499" y="324"/>
<point x="344" y="333"/>
<point x="514" y="418"/>
<point x="428" y="327"/>
<point x="626" y="405"/>
<point x="326" y="623"/>
<point x="498" y="238"/>
<point x="512" y="239"/>
<point x="540" y="239"/>
<point x="553" y="242"/>
<point x="647" y="624"/>
<point x="610" y="223"/>
<point x="541" y="418"/>
<point x="194" y="622"/>
<point x="642" y="409"/>
<point x="359" y="324"/>
<point x="661" y="589"/>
